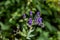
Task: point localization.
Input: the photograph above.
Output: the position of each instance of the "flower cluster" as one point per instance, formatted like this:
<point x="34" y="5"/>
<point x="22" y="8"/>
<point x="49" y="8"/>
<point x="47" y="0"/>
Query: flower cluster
<point x="37" y="20"/>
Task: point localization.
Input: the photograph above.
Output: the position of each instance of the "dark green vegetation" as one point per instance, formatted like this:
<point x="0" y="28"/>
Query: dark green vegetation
<point x="14" y="27"/>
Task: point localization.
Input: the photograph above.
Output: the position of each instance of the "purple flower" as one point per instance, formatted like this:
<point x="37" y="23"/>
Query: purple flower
<point x="38" y="20"/>
<point x="30" y="13"/>
<point x="38" y="13"/>
<point x="24" y="15"/>
<point x="30" y="21"/>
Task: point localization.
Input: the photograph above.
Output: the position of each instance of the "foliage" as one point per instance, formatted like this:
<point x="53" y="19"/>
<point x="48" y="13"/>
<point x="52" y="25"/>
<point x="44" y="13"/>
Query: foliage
<point x="14" y="27"/>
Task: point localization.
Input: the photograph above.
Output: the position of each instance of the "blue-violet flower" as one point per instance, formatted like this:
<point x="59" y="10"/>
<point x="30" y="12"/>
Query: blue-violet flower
<point x="30" y="13"/>
<point x="30" y="21"/>
<point x="38" y="13"/>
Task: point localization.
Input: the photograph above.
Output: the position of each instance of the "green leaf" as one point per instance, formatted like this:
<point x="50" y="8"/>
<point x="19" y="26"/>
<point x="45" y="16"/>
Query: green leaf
<point x="38" y="7"/>
<point x="58" y="35"/>
<point x="39" y="30"/>
<point x="50" y="27"/>
<point x="4" y="26"/>
<point x="29" y="35"/>
<point x="58" y="20"/>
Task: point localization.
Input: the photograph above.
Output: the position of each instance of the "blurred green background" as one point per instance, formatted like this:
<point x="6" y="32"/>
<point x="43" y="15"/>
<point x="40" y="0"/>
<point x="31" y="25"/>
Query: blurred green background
<point x="14" y="27"/>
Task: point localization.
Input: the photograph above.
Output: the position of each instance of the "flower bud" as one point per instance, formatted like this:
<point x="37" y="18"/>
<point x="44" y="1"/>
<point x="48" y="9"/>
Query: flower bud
<point x="30" y="13"/>
<point x="24" y="15"/>
<point x="38" y="13"/>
